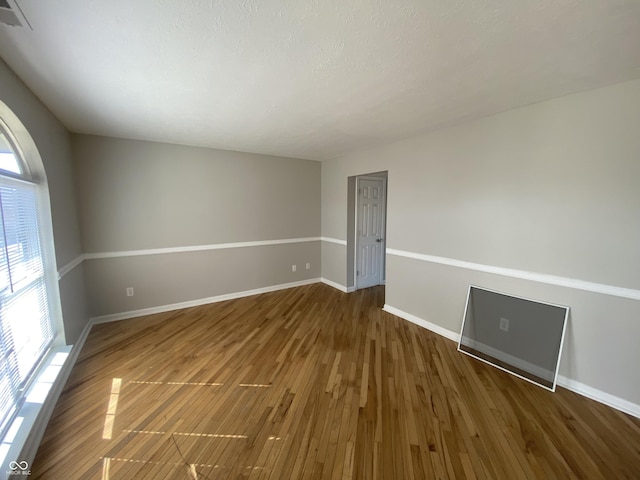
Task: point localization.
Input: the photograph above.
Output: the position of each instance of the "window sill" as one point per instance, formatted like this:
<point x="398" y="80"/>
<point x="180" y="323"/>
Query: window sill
<point x="19" y="445"/>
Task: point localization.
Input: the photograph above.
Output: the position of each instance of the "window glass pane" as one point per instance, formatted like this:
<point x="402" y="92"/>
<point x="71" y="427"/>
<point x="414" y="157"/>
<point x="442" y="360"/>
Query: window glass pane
<point x="20" y="223"/>
<point x="8" y="160"/>
<point x="4" y="261"/>
<point x="7" y="401"/>
<point x="25" y="325"/>
<point x="28" y="321"/>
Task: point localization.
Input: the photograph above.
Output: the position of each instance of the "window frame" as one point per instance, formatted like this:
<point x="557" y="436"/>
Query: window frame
<point x="33" y="174"/>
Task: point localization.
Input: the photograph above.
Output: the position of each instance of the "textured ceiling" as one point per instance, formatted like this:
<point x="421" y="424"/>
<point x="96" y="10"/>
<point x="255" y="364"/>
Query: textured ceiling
<point x="310" y="78"/>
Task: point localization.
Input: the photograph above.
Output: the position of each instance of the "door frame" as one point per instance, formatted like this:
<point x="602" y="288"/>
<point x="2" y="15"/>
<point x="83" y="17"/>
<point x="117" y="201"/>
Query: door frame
<point x="352" y="230"/>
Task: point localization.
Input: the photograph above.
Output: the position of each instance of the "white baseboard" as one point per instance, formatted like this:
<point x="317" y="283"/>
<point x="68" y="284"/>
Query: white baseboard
<point x="196" y="303"/>
<point x="218" y="298"/>
<point x="599" y="396"/>
<point x="333" y="284"/>
<point x="338" y="286"/>
<point x="422" y="323"/>
<point x="562" y="381"/>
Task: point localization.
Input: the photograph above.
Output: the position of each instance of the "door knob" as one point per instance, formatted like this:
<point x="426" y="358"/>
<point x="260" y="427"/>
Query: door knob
<point x="379" y="240"/>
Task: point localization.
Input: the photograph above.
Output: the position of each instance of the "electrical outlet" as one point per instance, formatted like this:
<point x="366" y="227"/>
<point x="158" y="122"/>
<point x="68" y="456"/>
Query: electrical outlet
<point x="129" y="291"/>
<point x="504" y="324"/>
<point x="308" y="266"/>
<point x="293" y="268"/>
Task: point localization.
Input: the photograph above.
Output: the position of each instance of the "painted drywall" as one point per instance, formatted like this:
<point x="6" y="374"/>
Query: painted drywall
<point x="334" y="259"/>
<point x="600" y="341"/>
<point x="550" y="188"/>
<point x="176" y="278"/>
<point x="73" y="298"/>
<point x="53" y="143"/>
<point x="137" y="195"/>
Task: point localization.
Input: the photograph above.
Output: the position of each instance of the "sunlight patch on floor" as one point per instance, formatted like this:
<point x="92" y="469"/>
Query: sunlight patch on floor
<point x="107" y="461"/>
<point x="106" y="468"/>
<point x="110" y="417"/>
<point x="196" y="384"/>
<point x="186" y="434"/>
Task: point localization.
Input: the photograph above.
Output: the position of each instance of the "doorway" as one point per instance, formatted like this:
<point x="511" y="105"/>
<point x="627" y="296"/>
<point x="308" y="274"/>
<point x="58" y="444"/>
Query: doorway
<point x="366" y="231"/>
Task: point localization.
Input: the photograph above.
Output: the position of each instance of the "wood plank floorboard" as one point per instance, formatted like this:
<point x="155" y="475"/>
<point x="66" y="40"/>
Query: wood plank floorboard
<point x="313" y="383"/>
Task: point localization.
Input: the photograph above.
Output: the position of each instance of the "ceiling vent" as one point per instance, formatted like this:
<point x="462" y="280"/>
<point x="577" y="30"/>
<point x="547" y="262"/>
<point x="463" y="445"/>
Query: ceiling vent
<point x="8" y="15"/>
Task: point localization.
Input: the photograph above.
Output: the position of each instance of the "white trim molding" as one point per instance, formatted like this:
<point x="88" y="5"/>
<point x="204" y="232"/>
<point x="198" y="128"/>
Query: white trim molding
<point x="524" y="275"/>
<point x="562" y="381"/>
<point x="334" y="240"/>
<point x="337" y="285"/>
<point x="192" y="248"/>
<point x="599" y="396"/>
<point x="422" y="323"/>
<point x="204" y="301"/>
<point x="197" y="248"/>
<point x="70" y="266"/>
<point x="196" y="303"/>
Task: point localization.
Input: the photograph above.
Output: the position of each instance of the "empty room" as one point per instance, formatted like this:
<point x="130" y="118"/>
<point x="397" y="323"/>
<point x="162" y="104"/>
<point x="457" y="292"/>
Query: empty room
<point x="300" y="239"/>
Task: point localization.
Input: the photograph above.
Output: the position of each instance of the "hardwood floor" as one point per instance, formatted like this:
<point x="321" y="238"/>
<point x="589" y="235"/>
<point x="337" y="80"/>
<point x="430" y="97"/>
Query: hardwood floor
<point x="314" y="383"/>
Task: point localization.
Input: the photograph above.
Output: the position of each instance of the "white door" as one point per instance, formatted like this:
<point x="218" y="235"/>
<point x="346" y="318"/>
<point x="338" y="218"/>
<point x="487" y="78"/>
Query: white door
<point x="370" y="218"/>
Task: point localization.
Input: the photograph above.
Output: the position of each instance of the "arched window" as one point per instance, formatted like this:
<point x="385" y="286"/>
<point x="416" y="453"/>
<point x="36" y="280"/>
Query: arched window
<point x="28" y="297"/>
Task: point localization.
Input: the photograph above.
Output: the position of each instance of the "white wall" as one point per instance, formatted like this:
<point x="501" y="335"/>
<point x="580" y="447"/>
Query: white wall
<point x="552" y="188"/>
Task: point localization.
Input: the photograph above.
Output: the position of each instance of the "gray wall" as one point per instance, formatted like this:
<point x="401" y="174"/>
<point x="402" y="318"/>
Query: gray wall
<point x="53" y="143"/>
<point x="551" y="188"/>
<point x="136" y="195"/>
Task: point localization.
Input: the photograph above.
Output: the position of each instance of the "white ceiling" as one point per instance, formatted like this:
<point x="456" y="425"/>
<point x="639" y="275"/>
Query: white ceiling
<point x="310" y="78"/>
